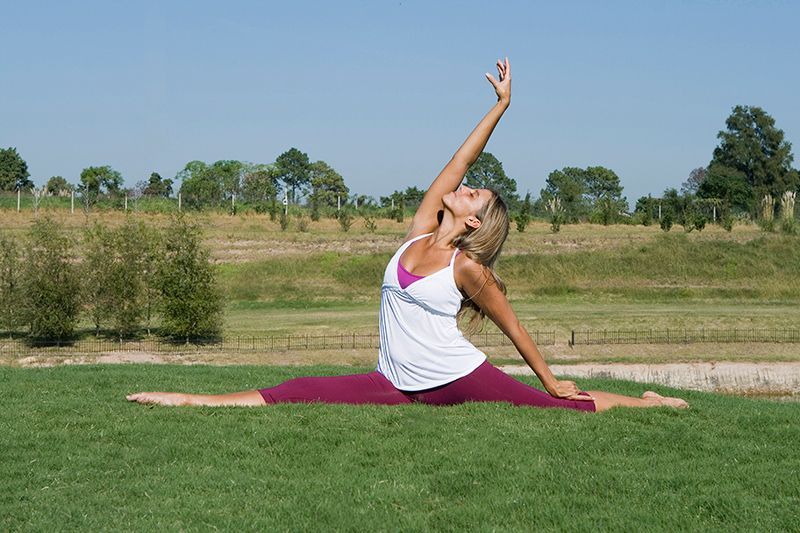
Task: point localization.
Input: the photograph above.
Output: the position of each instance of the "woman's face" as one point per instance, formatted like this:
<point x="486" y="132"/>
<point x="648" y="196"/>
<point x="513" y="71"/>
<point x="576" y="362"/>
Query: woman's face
<point x="466" y="201"/>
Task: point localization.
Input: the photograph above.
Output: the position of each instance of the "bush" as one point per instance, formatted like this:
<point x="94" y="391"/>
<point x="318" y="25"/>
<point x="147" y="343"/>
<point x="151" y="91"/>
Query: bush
<point x="345" y="219"/>
<point x="284" y="220"/>
<point x="726" y="221"/>
<point x="190" y="296"/>
<point x="302" y="223"/>
<point x="666" y="221"/>
<point x="789" y="226"/>
<point x="9" y="284"/>
<point x="369" y="223"/>
<point x="49" y="287"/>
<point x="95" y="273"/>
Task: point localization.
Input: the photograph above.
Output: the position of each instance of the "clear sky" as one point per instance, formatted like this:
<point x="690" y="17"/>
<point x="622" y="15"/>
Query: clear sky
<point x="386" y="91"/>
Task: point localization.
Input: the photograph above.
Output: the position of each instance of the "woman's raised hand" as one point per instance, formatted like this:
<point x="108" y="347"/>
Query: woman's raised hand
<point x="567" y="390"/>
<point x="502" y="86"/>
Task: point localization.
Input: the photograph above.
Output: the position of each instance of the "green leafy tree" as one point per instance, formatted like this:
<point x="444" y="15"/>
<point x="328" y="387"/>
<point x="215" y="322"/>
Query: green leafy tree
<point x="9" y="284"/>
<point x="569" y="186"/>
<point x="604" y="193"/>
<point x="753" y="159"/>
<point x="13" y="171"/>
<point x="228" y="174"/>
<point x="294" y="170"/>
<point x="96" y="271"/>
<point x="260" y="186"/>
<point x="487" y="172"/>
<point x="58" y="186"/>
<point x="412" y="197"/>
<point x="327" y="185"/>
<point x="199" y="188"/>
<point x="49" y="285"/>
<point x="97" y="181"/>
<point x="158" y="187"/>
<point x="190" y="295"/>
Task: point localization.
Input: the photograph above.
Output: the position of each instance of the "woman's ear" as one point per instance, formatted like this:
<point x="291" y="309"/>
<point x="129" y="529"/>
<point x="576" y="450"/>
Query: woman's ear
<point x="473" y="222"/>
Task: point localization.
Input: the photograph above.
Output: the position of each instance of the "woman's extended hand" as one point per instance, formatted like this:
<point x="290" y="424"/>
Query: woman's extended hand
<point x="567" y="390"/>
<point x="503" y="86"/>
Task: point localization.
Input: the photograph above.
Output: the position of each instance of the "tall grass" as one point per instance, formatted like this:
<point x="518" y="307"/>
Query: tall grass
<point x="671" y="266"/>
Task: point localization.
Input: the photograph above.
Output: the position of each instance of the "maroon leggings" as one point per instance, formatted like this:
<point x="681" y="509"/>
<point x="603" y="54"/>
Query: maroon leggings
<point x="486" y="383"/>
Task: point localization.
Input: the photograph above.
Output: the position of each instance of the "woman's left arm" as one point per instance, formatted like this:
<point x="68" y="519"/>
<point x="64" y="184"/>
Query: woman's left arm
<point x="479" y="285"/>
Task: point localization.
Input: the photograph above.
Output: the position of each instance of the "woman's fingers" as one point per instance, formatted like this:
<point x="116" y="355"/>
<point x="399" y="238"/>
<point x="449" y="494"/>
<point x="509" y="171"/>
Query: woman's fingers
<point x="491" y="80"/>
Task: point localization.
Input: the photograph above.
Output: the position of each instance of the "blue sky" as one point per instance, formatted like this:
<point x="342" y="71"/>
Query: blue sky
<point x="386" y="91"/>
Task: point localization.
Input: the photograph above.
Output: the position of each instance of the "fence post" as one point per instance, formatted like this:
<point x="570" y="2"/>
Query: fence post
<point x="572" y="339"/>
<point x="354" y="340"/>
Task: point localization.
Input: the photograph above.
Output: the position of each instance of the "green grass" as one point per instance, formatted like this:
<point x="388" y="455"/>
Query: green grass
<point x="77" y="456"/>
<point x="669" y="268"/>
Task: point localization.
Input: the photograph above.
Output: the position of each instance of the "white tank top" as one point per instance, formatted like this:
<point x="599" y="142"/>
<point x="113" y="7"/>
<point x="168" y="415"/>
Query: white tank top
<point x="420" y="344"/>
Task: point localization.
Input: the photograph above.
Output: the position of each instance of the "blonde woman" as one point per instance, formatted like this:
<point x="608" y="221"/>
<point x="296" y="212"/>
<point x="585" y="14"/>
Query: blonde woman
<point x="443" y="270"/>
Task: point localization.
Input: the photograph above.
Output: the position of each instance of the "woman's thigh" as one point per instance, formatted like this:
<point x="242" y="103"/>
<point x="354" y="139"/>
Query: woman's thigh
<point x="488" y="383"/>
<point x="372" y="388"/>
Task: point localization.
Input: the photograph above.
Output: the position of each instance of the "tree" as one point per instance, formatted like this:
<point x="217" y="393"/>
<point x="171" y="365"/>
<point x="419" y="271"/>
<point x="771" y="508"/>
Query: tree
<point x="260" y="186"/>
<point x="695" y="179"/>
<point x="412" y="197"/>
<point x="98" y="253"/>
<point x="198" y="186"/>
<point x="99" y="180"/>
<point x="157" y="186"/>
<point x="294" y="169"/>
<point x="569" y="186"/>
<point x="327" y="185"/>
<point x="13" y="171"/>
<point x="605" y="194"/>
<point x="228" y="174"/>
<point x="190" y="296"/>
<point x="487" y="172"/>
<point x="58" y="186"/>
<point x="49" y="283"/>
<point x="9" y="284"/>
<point x="752" y="160"/>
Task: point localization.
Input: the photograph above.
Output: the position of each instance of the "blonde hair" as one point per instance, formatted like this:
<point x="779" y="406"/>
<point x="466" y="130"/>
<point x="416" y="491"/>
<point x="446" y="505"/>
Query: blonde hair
<point x="483" y="245"/>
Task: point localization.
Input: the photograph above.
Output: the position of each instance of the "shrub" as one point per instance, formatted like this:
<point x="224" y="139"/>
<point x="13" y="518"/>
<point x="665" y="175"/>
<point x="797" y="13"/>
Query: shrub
<point x="369" y="223"/>
<point x="49" y="286"/>
<point x="95" y="273"/>
<point x="523" y="216"/>
<point x="190" y="296"/>
<point x="345" y="219"/>
<point x="284" y="220"/>
<point x="789" y="226"/>
<point x="726" y="221"/>
<point x="666" y="221"/>
<point x="9" y="284"/>
<point x="302" y="223"/>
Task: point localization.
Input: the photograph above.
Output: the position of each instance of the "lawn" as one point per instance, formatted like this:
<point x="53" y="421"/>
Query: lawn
<point x="76" y="455"/>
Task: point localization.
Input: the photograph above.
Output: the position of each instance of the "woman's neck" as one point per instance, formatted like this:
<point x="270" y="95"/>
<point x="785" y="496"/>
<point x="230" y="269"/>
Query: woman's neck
<point x="448" y="230"/>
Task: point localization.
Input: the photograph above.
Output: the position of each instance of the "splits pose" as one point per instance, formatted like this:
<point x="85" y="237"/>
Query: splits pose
<point x="443" y="271"/>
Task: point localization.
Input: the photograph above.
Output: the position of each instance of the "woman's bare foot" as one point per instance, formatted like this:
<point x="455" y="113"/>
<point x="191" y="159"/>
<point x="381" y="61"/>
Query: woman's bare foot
<point x="160" y="398"/>
<point x="665" y="400"/>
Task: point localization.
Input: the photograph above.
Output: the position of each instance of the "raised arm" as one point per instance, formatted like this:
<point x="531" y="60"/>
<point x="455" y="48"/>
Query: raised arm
<point x="478" y="284"/>
<point x="449" y="179"/>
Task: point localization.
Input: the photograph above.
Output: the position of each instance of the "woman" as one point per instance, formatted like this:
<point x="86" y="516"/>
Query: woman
<point x="443" y="270"/>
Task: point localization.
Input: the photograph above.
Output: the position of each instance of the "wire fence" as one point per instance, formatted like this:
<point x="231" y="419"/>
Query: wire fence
<point x="360" y="341"/>
<point x="684" y="336"/>
<point x="270" y="343"/>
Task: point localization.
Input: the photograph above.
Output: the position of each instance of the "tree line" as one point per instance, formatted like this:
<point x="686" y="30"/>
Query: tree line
<point x="749" y="172"/>
<point x="122" y="280"/>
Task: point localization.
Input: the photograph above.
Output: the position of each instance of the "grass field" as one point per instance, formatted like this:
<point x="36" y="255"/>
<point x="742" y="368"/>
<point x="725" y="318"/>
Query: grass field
<point x="76" y="455"/>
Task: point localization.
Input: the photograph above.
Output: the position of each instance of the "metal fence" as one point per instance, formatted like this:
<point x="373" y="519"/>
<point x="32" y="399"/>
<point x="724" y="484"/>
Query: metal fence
<point x="270" y="343"/>
<point x="684" y="336"/>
